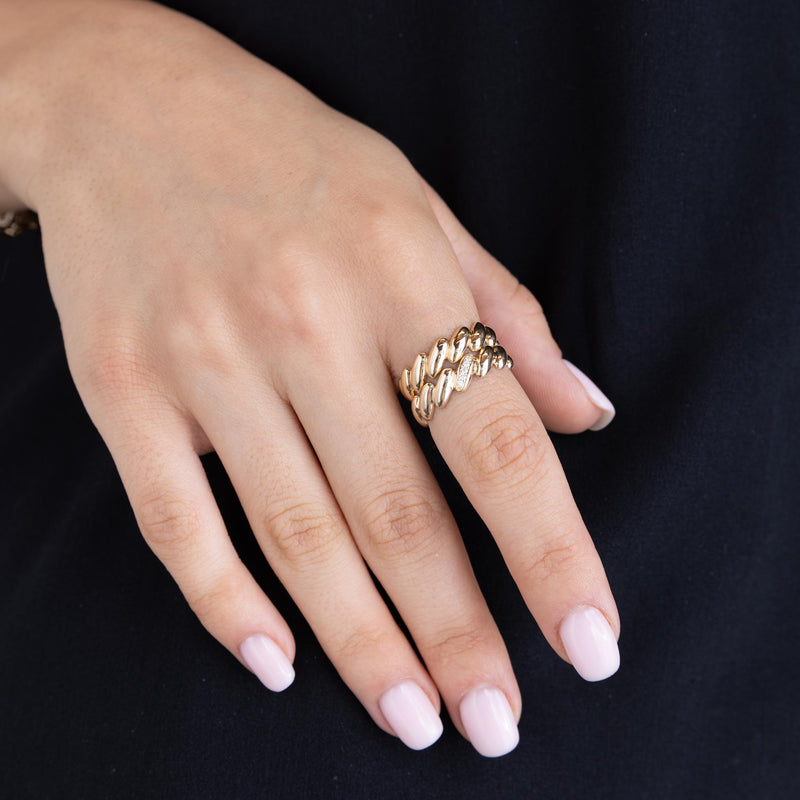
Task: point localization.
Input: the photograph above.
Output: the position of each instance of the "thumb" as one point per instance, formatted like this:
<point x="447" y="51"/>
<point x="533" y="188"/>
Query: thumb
<point x="566" y="399"/>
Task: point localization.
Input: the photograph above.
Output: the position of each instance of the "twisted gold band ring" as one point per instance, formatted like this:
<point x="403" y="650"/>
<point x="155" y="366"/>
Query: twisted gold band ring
<point x="449" y="367"/>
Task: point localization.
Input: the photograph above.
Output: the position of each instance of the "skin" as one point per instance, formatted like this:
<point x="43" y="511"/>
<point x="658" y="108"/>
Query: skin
<point x="238" y="267"/>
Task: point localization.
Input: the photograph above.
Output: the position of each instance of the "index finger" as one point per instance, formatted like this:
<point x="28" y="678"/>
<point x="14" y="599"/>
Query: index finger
<point x="499" y="451"/>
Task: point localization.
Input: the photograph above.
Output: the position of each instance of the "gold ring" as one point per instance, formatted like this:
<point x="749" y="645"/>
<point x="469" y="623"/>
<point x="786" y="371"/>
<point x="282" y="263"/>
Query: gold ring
<point x="449" y="367"/>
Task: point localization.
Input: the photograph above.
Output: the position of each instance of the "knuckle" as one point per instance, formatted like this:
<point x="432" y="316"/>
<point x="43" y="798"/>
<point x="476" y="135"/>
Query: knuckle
<point x="215" y="597"/>
<point x="168" y="523"/>
<point x="454" y="643"/>
<point x="386" y="172"/>
<point x="401" y="523"/>
<point x="115" y="367"/>
<point x="305" y="316"/>
<point x="505" y="451"/>
<point x="403" y="231"/>
<point x="557" y="558"/>
<point x="198" y="332"/>
<point x="293" y="295"/>
<point x="305" y="534"/>
<point x="523" y="296"/>
<point x="413" y="238"/>
<point x="406" y="240"/>
<point x="355" y="644"/>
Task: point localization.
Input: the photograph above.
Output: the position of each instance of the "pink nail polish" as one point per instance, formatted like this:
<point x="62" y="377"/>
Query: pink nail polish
<point x="411" y="714"/>
<point x="489" y="721"/>
<point x="268" y="662"/>
<point x="590" y="643"/>
<point x="595" y="395"/>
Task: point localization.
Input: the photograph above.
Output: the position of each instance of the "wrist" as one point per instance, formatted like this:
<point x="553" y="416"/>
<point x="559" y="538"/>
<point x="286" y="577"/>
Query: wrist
<point x="21" y="35"/>
<point x="41" y="64"/>
<point x="99" y="91"/>
<point x="74" y="75"/>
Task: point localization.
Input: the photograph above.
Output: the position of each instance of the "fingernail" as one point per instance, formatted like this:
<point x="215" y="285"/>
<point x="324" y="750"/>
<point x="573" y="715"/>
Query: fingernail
<point x="590" y="643"/>
<point x="489" y="721"/>
<point x="268" y="662"/>
<point x="595" y="395"/>
<point x="411" y="714"/>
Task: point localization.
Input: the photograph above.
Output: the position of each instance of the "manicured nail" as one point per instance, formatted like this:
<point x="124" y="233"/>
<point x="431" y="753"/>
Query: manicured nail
<point x="411" y="714"/>
<point x="268" y="662"/>
<point x="489" y="721"/>
<point x="590" y="643"/>
<point x="596" y="396"/>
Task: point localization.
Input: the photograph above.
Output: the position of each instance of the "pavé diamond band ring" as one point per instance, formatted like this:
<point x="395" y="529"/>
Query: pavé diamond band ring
<point x="449" y="367"/>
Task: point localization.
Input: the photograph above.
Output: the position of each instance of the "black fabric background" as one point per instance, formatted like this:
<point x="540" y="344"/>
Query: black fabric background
<point x="637" y="165"/>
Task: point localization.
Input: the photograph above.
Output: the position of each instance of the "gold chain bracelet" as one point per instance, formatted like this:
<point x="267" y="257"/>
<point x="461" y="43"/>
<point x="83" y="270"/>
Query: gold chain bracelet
<point x="15" y="223"/>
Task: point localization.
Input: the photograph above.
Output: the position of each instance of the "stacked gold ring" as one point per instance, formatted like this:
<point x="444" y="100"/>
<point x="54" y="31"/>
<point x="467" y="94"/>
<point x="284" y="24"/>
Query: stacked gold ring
<point x="449" y="367"/>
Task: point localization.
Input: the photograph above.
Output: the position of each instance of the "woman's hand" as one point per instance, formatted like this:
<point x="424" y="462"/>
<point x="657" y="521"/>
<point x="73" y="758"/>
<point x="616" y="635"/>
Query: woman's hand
<point x="238" y="267"/>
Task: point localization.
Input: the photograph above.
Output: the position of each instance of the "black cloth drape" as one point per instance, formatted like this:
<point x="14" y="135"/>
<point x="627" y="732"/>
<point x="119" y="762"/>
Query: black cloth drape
<point x="637" y="165"/>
